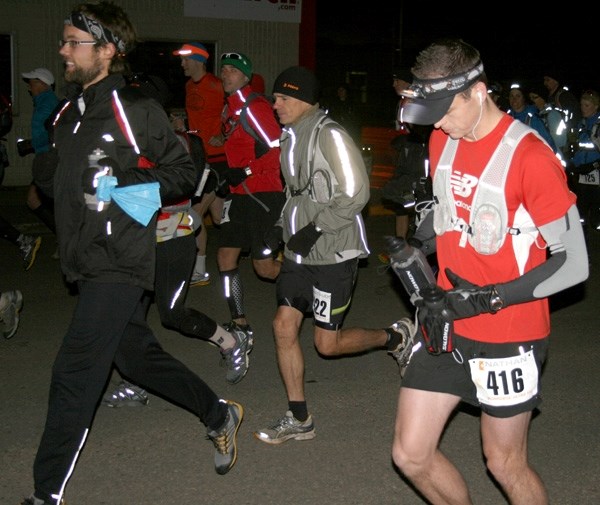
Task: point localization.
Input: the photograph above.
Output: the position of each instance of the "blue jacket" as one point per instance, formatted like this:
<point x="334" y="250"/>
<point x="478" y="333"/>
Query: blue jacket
<point x="530" y="116"/>
<point x="43" y="105"/>
<point x="587" y="152"/>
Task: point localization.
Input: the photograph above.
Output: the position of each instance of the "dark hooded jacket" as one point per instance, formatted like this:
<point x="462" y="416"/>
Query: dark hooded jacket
<point x="110" y="246"/>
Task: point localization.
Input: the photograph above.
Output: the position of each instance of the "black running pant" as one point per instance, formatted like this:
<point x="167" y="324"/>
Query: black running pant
<point x="109" y="324"/>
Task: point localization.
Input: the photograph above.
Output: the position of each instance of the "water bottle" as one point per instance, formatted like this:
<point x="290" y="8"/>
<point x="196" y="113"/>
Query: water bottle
<point x="438" y="324"/>
<point x="90" y="200"/>
<point x="410" y="265"/>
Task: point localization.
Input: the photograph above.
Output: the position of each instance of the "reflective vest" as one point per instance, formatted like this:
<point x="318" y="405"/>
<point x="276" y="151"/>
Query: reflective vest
<point x="488" y="219"/>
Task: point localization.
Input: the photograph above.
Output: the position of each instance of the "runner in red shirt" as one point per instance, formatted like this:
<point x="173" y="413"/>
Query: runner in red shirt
<point x="253" y="181"/>
<point x="501" y="204"/>
<point x="204" y="99"/>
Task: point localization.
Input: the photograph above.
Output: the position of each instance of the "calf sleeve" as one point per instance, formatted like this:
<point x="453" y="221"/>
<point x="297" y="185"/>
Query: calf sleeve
<point x="197" y="324"/>
<point x="234" y="294"/>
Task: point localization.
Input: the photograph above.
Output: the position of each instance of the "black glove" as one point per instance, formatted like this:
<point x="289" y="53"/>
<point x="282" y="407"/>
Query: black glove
<point x="115" y="169"/>
<point x="467" y="299"/>
<point x="222" y="185"/>
<point x="234" y="176"/>
<point x="90" y="178"/>
<point x="24" y="147"/>
<point x="438" y="309"/>
<point x="586" y="168"/>
<point x="274" y="238"/>
<point x="304" y="239"/>
<point x="231" y="176"/>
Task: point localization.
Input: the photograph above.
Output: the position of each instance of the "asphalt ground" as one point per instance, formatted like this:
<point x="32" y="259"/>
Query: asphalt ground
<point x="159" y="454"/>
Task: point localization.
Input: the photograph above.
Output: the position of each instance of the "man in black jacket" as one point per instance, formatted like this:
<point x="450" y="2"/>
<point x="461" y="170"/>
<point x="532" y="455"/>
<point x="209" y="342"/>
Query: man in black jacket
<point x="109" y="255"/>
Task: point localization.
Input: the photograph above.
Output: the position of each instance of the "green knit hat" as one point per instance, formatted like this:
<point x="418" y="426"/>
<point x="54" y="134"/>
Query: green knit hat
<point x="239" y="61"/>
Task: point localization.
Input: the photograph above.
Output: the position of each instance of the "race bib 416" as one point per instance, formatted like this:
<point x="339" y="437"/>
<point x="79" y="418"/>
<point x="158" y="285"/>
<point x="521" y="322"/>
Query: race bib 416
<point x="505" y="381"/>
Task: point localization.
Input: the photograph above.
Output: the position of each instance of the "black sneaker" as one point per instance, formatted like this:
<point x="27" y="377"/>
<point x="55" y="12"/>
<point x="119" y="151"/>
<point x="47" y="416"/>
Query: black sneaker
<point x="224" y="438"/>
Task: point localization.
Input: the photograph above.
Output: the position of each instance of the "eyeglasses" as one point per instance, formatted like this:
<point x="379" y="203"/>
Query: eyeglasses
<point x="231" y="56"/>
<point x="75" y="43"/>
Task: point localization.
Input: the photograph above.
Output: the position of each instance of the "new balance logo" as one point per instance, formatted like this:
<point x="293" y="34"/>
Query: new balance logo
<point x="462" y="185"/>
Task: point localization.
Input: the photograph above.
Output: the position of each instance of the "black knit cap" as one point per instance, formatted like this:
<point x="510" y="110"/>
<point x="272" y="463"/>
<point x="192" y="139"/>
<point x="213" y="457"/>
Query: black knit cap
<point x="555" y="73"/>
<point x="403" y="74"/>
<point x="298" y="82"/>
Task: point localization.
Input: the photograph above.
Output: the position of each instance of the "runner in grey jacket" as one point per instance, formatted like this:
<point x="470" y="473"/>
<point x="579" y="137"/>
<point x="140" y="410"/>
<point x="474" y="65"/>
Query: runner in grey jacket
<point x="327" y="185"/>
<point x="324" y="234"/>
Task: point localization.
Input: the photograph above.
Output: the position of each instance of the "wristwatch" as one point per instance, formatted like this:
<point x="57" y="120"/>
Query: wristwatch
<point x="496" y="301"/>
<point x="248" y="171"/>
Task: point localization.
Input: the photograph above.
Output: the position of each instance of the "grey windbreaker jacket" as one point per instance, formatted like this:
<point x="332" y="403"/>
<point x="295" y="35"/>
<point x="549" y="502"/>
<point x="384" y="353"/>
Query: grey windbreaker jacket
<point x="326" y="183"/>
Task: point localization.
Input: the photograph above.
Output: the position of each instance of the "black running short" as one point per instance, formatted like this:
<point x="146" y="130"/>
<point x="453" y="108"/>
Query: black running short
<point x="247" y="218"/>
<point x="503" y="380"/>
<point x="323" y="290"/>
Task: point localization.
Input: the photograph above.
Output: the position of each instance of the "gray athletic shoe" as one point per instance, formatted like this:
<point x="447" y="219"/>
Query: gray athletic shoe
<point x="236" y="359"/>
<point x="32" y="500"/>
<point x="29" y="246"/>
<point x="406" y="328"/>
<point x="126" y="395"/>
<point x="199" y="279"/>
<point x="286" y="428"/>
<point x="10" y="314"/>
<point x="224" y="438"/>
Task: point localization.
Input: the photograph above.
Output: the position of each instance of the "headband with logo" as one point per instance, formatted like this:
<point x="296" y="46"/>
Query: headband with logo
<point x="95" y="29"/>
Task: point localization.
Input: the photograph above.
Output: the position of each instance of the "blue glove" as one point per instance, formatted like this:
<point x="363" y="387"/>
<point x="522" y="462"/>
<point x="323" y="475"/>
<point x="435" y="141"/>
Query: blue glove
<point x="304" y="239"/>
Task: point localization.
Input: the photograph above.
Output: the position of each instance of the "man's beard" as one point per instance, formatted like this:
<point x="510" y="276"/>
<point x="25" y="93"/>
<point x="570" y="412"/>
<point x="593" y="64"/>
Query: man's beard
<point x="83" y="76"/>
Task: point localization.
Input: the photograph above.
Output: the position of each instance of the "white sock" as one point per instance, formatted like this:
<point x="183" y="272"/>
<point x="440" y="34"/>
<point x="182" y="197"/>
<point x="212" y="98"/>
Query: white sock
<point x="222" y="338"/>
<point x="200" y="264"/>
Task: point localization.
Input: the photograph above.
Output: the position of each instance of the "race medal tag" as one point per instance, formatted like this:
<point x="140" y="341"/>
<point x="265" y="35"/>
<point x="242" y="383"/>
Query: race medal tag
<point x="321" y="305"/>
<point x="592" y="178"/>
<point x="505" y="381"/>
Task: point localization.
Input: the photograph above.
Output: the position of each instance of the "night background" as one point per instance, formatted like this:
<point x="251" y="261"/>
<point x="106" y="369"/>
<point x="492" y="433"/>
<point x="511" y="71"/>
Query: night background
<point x="517" y="43"/>
<point x="362" y="46"/>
